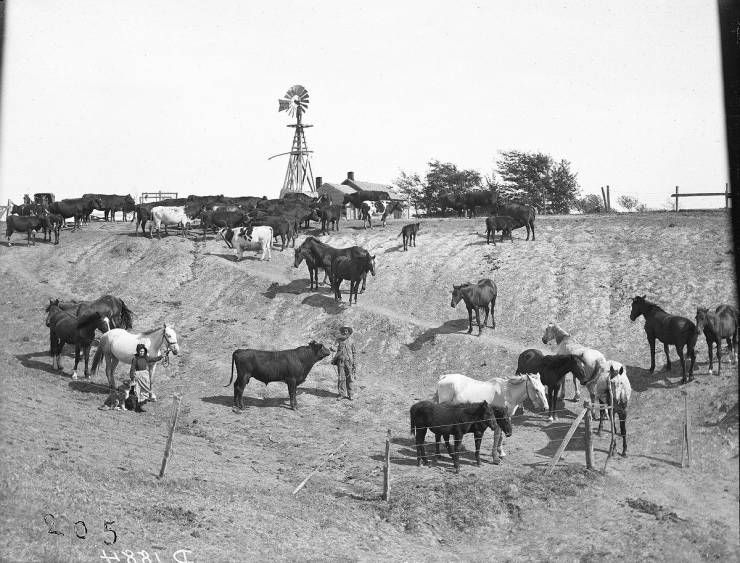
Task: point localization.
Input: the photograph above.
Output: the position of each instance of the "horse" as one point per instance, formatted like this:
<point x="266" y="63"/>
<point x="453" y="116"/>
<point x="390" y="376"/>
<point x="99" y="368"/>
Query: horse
<point x="119" y="345"/>
<point x="669" y="329"/>
<point x="323" y="254"/>
<point x="716" y="325"/>
<point x="552" y="370"/>
<point x="392" y="207"/>
<point x="67" y="328"/>
<point x="366" y="218"/>
<point x="506" y="393"/>
<point x="566" y="344"/>
<point x="476" y="296"/>
<point x="600" y="388"/>
<point x="350" y="268"/>
<point x="110" y="306"/>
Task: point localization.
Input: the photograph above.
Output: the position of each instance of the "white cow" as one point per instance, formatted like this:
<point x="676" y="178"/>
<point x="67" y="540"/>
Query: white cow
<point x="240" y="239"/>
<point x="503" y="392"/>
<point x="168" y="216"/>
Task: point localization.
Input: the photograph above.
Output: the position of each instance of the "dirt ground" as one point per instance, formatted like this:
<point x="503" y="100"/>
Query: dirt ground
<point x="227" y="494"/>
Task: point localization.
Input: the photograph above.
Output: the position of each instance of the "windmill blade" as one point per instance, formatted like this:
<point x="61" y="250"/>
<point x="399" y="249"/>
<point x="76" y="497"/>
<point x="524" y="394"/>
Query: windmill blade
<point x="283" y="105"/>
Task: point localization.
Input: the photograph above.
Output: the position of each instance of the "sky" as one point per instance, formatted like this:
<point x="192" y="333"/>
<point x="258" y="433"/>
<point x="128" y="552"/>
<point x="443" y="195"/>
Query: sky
<point x="118" y="97"/>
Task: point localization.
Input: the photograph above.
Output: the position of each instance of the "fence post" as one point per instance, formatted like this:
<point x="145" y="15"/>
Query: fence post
<point x="564" y="443"/>
<point x="168" y="447"/>
<point x="676" y="199"/>
<point x="387" y="468"/>
<point x="603" y="196"/>
<point x="608" y="199"/>
<point x="687" y="430"/>
<point x="588" y="442"/>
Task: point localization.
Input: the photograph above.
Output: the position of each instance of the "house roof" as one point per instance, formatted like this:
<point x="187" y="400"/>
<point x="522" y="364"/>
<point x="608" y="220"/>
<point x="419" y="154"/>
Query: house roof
<point x="338" y="187"/>
<point x="373" y="187"/>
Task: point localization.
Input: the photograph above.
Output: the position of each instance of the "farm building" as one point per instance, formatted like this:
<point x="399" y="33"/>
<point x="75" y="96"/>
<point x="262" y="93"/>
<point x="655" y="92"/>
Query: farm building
<point x="336" y="193"/>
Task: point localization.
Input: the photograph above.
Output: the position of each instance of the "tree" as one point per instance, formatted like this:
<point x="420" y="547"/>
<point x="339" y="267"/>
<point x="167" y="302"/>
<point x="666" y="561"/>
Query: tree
<point x="534" y="179"/>
<point x="628" y="202"/>
<point x="411" y="186"/>
<point x="591" y="203"/>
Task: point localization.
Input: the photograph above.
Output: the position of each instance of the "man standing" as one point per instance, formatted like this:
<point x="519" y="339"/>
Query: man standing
<point x="344" y="359"/>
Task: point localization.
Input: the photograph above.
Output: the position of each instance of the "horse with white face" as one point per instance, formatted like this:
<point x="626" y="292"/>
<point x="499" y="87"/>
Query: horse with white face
<point x="600" y="388"/>
<point x="503" y="392"/>
<point x="593" y="360"/>
<point x="119" y="345"/>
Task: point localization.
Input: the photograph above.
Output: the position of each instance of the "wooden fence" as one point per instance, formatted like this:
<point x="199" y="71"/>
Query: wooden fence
<point x="727" y="194"/>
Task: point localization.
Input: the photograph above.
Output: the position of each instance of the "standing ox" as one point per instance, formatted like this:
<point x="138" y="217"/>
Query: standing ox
<point x="552" y="370"/>
<point x="162" y="215"/>
<point x="241" y="239"/>
<point x="476" y="296"/>
<point x="353" y="269"/>
<point x="669" y="329"/>
<point x="455" y="420"/>
<point x="330" y="214"/>
<point x="593" y="360"/>
<point x="78" y="208"/>
<point x="523" y="215"/>
<point x="291" y="366"/>
<point x="119" y="345"/>
<point x="25" y="224"/>
<point x="505" y="393"/>
<point x="499" y="223"/>
<point x="716" y="325"/>
<point x="408" y="232"/>
<point x="67" y="328"/>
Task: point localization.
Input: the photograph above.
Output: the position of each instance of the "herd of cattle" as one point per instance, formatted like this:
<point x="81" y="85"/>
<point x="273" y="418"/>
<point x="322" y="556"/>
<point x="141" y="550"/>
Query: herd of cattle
<point x="462" y="405"/>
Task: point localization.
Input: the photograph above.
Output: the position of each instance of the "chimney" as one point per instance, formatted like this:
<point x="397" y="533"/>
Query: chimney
<point x="318" y="182"/>
<point x="351" y="176"/>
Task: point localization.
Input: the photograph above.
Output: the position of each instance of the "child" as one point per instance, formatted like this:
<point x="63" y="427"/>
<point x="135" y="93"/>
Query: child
<point x="344" y="359"/>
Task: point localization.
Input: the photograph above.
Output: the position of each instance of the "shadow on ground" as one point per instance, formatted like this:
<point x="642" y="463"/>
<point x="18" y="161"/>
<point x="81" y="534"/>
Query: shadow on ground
<point x="455" y="326"/>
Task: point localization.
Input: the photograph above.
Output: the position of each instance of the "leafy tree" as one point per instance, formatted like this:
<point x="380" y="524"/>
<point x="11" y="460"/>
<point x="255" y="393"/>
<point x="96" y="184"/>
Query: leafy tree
<point x="628" y="202"/>
<point x="411" y="186"/>
<point x="533" y="178"/>
<point x="591" y="203"/>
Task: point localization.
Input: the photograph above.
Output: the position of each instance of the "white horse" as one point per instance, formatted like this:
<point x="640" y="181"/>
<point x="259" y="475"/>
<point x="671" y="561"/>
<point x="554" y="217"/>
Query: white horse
<point x="593" y="360"/>
<point x="120" y="345"/>
<point x="503" y="392"/>
<point x="600" y="389"/>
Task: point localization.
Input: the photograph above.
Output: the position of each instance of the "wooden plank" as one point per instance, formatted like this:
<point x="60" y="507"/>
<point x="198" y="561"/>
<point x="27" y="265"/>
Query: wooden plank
<point x="587" y="438"/>
<point x="564" y="443"/>
<point x="700" y="194"/>
<point x="319" y="466"/>
<point x="168" y="447"/>
<point x="387" y="468"/>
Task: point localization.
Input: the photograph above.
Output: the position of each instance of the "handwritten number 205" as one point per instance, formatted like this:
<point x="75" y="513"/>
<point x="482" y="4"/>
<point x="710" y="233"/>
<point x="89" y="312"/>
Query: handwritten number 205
<point x="50" y="521"/>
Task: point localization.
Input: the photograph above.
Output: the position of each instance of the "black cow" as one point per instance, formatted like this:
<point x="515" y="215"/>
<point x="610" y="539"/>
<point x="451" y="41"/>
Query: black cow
<point x="456" y="420"/>
<point x="291" y="366"/>
<point x="480" y="198"/>
<point x="330" y="214"/>
<point x="28" y="209"/>
<point x="523" y="215"/>
<point x="281" y="227"/>
<point x="350" y="268"/>
<point x="223" y="216"/>
<point x="77" y="208"/>
<point x="24" y="224"/>
<point x="408" y="232"/>
<point x="453" y="202"/>
<point x="53" y="224"/>
<point x="498" y="223"/>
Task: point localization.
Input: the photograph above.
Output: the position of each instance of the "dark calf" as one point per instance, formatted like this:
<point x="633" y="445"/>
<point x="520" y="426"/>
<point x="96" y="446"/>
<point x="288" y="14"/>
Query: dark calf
<point x="408" y="232"/>
<point x="499" y="223"/>
<point x="454" y="420"/>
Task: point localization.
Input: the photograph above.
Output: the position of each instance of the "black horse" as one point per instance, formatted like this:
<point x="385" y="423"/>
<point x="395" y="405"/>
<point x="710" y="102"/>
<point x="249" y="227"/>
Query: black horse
<point x="716" y="325"/>
<point x="669" y="329"/>
<point x="350" y="268"/>
<point x="108" y="306"/>
<point x="322" y="255"/>
<point x="67" y="328"/>
<point x="552" y="370"/>
<point x="476" y="296"/>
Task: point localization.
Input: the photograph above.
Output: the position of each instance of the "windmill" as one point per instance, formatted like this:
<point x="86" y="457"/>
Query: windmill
<point x="295" y="102"/>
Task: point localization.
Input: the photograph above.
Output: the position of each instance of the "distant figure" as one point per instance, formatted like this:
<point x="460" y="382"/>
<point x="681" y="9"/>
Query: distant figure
<point x="344" y="359"/>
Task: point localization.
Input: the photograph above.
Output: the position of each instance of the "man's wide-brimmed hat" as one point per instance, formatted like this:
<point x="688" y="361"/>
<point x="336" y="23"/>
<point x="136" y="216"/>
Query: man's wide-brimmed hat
<point x="346" y="330"/>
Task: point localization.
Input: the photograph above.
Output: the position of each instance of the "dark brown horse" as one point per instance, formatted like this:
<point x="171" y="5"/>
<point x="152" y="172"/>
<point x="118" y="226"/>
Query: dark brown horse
<point x="476" y="296"/>
<point x="552" y="370"/>
<point x="67" y="328"/>
<point x="716" y="325"/>
<point x="669" y="329"/>
<point x="350" y="268"/>
<point x="108" y="306"/>
<point x="323" y="254"/>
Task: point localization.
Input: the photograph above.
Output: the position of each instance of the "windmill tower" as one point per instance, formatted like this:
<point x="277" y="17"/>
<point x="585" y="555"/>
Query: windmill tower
<point x="298" y="176"/>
